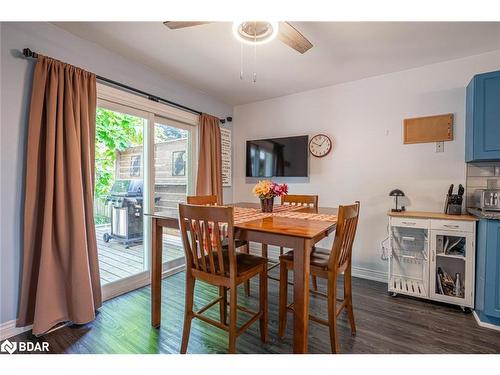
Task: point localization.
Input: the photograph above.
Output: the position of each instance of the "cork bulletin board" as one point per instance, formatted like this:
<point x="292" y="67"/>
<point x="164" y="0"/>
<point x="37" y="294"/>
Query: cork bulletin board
<point x="428" y="129"/>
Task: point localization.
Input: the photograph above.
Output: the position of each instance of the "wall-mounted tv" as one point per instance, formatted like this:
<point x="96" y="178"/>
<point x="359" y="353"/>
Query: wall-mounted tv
<point x="278" y="157"/>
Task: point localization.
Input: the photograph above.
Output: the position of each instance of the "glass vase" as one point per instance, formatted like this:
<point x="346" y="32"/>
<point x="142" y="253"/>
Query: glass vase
<point x="266" y="204"/>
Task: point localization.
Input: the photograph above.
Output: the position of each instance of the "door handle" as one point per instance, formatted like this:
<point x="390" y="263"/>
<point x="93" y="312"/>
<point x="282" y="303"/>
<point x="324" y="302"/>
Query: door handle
<point x="451" y="226"/>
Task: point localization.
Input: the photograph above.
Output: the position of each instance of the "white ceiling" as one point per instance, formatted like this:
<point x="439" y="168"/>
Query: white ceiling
<point x="208" y="56"/>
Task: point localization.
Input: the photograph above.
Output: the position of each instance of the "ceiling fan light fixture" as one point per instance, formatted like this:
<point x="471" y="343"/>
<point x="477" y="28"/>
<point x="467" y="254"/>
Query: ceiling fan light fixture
<point x="255" y="32"/>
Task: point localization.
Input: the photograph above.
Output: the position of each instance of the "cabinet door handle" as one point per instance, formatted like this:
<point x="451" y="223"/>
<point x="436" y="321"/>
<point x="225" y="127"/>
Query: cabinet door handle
<point x="409" y="223"/>
<point x="451" y="226"/>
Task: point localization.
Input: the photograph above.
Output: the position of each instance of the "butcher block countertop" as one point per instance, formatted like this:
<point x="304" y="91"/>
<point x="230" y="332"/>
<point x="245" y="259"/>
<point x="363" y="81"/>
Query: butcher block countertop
<point x="432" y="215"/>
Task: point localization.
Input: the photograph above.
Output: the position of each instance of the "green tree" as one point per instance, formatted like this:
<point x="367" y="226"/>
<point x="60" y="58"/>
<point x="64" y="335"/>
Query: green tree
<point x="114" y="132"/>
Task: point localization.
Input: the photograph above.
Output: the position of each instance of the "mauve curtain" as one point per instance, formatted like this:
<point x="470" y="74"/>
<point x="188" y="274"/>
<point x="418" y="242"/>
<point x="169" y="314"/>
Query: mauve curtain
<point x="209" y="178"/>
<point x="60" y="275"/>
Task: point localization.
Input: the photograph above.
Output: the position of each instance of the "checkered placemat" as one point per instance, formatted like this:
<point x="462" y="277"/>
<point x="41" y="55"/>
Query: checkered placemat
<point x="308" y="216"/>
<point x="242" y="214"/>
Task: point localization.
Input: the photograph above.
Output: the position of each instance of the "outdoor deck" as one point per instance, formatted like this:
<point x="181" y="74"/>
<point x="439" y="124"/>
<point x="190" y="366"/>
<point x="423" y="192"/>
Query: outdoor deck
<point x="117" y="262"/>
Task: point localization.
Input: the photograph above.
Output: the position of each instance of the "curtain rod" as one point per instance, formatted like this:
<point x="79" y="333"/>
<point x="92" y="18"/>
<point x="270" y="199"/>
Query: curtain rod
<point x="29" y="53"/>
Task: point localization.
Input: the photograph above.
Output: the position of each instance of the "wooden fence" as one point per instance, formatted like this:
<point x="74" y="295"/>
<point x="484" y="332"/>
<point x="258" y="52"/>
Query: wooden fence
<point x="100" y="208"/>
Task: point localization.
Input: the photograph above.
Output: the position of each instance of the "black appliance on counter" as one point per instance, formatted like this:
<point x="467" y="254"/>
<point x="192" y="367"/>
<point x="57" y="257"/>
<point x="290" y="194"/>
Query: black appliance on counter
<point x="126" y="205"/>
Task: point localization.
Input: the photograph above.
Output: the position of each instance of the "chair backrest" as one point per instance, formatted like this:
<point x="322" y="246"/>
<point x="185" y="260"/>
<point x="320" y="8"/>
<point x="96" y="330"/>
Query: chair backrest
<point x="347" y="223"/>
<point x="203" y="228"/>
<point x="202" y="200"/>
<point x="301" y="200"/>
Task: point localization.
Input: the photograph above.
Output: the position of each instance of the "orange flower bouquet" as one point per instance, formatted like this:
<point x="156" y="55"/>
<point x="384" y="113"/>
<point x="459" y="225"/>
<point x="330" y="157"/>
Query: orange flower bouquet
<point x="266" y="190"/>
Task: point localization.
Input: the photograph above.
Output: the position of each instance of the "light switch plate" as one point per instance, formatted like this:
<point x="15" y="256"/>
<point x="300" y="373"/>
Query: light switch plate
<point x="439" y="146"/>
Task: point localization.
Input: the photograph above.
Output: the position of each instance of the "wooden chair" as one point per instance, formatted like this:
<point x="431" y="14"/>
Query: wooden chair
<point x="203" y="200"/>
<point x="211" y="200"/>
<point x="202" y="229"/>
<point x="328" y="265"/>
<point x="301" y="200"/>
<point x="310" y="201"/>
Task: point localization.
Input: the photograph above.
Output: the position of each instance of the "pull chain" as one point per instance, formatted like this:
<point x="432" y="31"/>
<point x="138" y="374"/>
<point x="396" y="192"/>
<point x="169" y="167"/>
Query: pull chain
<point x="254" y="78"/>
<point x="241" y="61"/>
<point x="255" y="64"/>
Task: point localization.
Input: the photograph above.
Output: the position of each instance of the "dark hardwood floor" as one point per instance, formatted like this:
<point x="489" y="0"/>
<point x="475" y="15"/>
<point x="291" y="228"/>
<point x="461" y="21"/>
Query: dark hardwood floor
<point x="384" y="325"/>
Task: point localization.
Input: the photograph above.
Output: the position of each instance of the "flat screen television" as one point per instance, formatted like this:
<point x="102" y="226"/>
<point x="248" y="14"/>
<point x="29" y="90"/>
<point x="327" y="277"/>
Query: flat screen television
<point x="278" y="157"/>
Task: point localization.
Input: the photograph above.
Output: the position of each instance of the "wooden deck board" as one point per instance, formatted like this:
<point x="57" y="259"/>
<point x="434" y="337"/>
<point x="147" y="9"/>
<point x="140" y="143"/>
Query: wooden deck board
<point x="116" y="261"/>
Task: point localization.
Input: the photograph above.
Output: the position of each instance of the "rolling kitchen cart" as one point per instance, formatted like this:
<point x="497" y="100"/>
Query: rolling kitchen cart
<point x="432" y="256"/>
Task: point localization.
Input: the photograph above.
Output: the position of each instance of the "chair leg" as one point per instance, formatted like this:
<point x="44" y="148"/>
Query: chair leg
<point x="188" y="311"/>
<point x="264" y="250"/>
<point x="232" y="319"/>
<point x="281" y="250"/>
<point x="223" y="304"/>
<point x="282" y="316"/>
<point x="332" y="312"/>
<point x="263" y="303"/>
<point x="348" y="298"/>
<point x="315" y="283"/>
<point x="246" y="249"/>
<point x="314" y="280"/>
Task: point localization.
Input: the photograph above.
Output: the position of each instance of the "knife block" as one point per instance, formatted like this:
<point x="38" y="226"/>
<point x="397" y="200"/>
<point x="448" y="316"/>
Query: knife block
<point x="452" y="208"/>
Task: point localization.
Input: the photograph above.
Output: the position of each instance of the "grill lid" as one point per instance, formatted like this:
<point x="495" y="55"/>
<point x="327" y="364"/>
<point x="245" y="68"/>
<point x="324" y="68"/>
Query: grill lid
<point x="127" y="188"/>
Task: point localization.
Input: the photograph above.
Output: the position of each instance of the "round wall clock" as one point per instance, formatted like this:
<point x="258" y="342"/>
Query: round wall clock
<point x="320" y="145"/>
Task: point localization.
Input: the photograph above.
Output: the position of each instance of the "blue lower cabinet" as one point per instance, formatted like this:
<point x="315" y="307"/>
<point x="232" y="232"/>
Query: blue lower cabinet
<point x="488" y="271"/>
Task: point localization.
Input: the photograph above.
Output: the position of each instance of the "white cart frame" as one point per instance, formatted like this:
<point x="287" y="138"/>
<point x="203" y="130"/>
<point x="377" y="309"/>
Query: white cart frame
<point x="425" y="261"/>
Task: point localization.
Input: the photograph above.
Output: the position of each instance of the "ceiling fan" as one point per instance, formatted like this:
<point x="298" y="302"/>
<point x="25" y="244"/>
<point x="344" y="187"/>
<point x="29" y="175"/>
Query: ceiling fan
<point x="254" y="33"/>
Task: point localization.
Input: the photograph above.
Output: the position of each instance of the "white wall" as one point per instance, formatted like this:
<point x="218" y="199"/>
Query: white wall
<point x="16" y="76"/>
<point x="369" y="158"/>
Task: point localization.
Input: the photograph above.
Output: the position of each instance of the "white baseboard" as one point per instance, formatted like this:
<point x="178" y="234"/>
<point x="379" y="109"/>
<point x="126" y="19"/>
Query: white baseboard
<point x="9" y="329"/>
<point x="363" y="273"/>
<point x="483" y="324"/>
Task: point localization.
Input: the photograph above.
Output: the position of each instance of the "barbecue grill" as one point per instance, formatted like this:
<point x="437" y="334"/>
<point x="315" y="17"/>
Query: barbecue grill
<point x="126" y="204"/>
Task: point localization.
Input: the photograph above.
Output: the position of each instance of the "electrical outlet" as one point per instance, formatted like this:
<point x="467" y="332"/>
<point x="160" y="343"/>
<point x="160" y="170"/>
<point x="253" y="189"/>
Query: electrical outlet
<point x="439" y="146"/>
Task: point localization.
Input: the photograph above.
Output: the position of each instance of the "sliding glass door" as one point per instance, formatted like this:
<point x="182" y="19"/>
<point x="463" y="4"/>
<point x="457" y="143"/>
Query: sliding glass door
<point x="119" y="192"/>
<point x="144" y="163"/>
<point x="173" y="179"/>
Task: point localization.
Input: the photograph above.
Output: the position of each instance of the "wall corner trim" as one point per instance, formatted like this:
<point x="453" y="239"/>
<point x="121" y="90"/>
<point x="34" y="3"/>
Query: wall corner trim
<point x="484" y="324"/>
<point x="9" y="329"/>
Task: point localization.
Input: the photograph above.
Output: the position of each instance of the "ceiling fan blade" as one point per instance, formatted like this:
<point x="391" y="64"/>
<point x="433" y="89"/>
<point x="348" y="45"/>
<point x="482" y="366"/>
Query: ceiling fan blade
<point x="293" y="38"/>
<point x="173" y="25"/>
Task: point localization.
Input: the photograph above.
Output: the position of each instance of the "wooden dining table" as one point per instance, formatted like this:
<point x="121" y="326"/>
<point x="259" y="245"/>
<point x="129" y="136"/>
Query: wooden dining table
<point x="297" y="233"/>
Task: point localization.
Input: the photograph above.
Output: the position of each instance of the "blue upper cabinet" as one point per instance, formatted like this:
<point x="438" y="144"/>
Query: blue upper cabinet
<point x="482" y="132"/>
